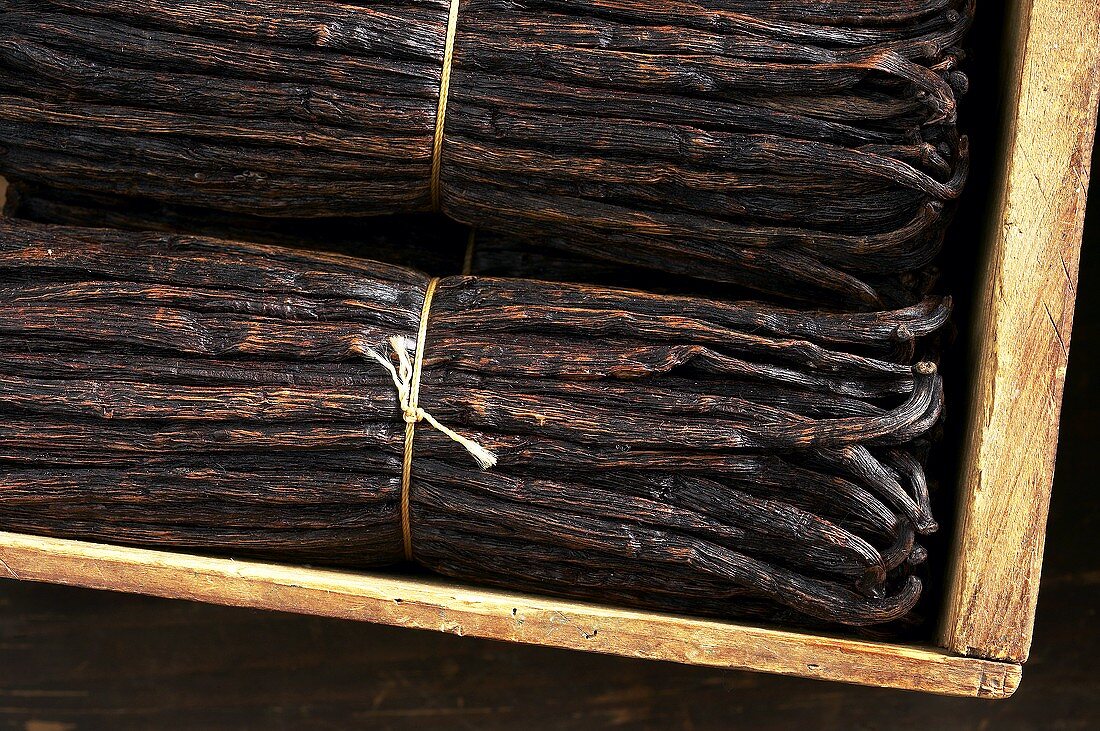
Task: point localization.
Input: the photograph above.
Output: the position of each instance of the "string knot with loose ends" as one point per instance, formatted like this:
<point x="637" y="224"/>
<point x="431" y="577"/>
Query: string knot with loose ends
<point x="404" y="378"/>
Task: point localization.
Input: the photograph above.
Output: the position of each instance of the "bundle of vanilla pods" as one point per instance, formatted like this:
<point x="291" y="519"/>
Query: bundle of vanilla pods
<point x="804" y="150"/>
<point x="728" y="459"/>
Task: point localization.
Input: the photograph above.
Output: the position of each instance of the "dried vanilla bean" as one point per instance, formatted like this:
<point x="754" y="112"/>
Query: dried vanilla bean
<point x="428" y="243"/>
<point x="808" y="151"/>
<point x="183" y="392"/>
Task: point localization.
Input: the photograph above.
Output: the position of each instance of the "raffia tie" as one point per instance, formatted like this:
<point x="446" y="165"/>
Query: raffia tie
<point x="406" y="378"/>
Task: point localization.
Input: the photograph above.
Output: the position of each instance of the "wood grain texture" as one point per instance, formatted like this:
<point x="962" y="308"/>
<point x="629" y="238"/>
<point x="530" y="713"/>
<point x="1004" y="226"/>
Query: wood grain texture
<point x="426" y="604"/>
<point x="1025" y="322"/>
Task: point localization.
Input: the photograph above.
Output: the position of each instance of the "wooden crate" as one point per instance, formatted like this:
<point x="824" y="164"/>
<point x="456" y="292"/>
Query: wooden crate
<point x="1023" y="326"/>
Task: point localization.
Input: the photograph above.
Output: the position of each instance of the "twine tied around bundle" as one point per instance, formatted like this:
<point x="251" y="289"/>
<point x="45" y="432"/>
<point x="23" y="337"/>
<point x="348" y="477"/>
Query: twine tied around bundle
<point x="441" y="105"/>
<point x="411" y="411"/>
<point x="406" y="378"/>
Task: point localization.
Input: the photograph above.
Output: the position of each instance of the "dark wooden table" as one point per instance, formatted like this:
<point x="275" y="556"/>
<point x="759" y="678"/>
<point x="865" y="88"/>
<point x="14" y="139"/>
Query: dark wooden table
<point x="73" y="659"/>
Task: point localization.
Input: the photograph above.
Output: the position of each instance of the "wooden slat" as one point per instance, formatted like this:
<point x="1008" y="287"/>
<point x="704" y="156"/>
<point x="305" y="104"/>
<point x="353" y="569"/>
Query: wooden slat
<point x="436" y="605"/>
<point x="1023" y="329"/>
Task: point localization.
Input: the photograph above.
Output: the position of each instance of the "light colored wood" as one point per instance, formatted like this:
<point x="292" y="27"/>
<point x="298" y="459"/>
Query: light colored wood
<point x="1023" y="329"/>
<point x="437" y="605"/>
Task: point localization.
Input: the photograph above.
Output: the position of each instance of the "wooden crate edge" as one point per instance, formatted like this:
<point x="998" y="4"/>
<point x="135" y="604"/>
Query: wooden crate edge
<point x="1023" y="326"/>
<point x="437" y="605"/>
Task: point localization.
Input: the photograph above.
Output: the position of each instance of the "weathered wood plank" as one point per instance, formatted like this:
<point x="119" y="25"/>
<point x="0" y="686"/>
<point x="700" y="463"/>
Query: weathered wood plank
<point x="1024" y="327"/>
<point x="434" y="605"/>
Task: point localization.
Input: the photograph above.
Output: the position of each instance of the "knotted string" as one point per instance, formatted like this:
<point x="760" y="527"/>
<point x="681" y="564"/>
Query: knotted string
<point x="411" y="411"/>
<point x="406" y="378"/>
